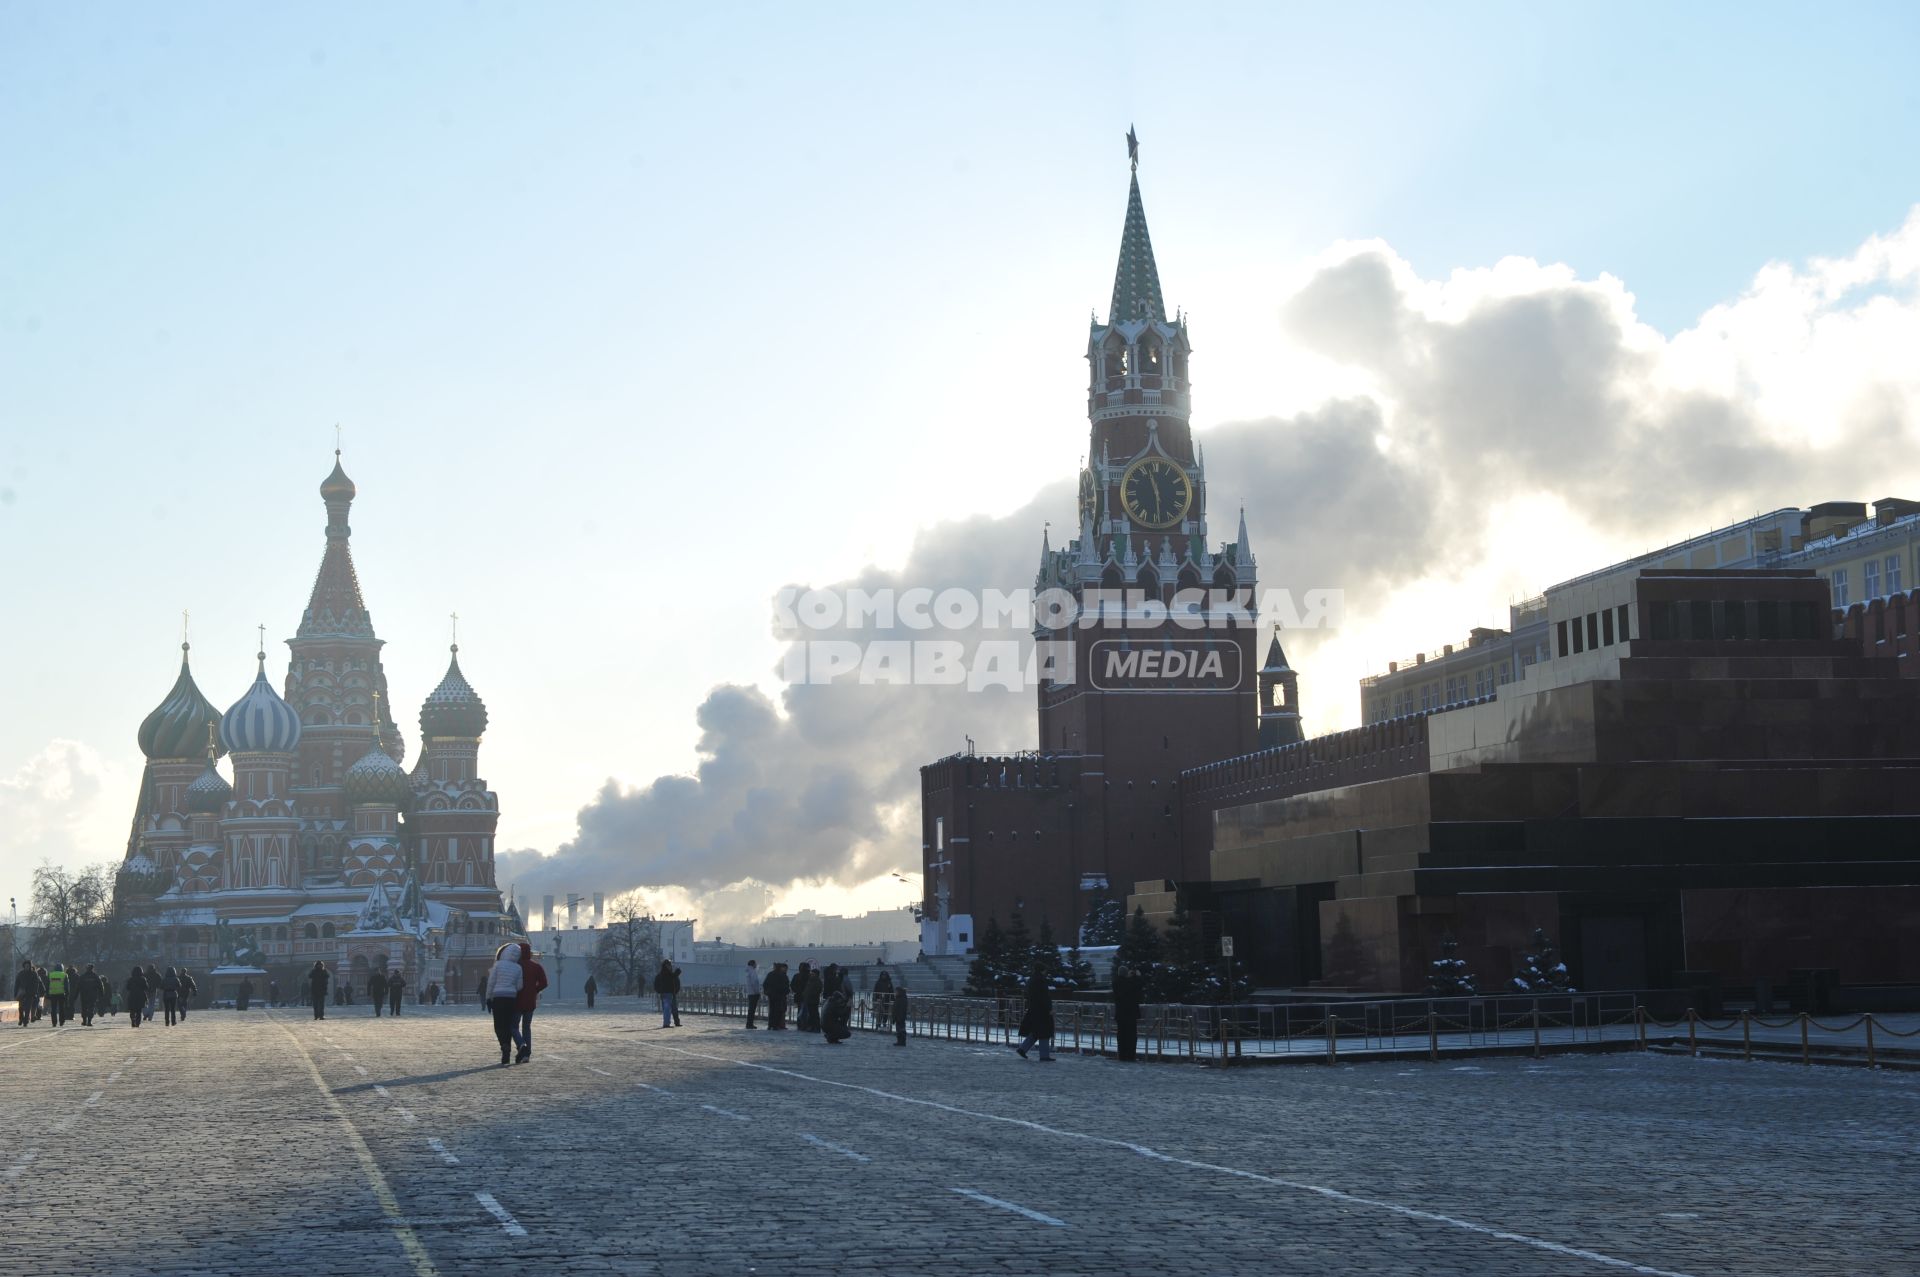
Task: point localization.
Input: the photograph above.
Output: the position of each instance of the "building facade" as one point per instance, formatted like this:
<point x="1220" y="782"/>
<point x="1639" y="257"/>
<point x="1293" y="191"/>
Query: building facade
<point x="1163" y="679"/>
<point x="322" y="847"/>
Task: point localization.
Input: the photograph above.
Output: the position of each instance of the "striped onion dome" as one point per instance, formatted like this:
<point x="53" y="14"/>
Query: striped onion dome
<point x="177" y="728"/>
<point x="260" y="722"/>
<point x="453" y="708"/>
<point x="376" y="778"/>
<point x="209" y="791"/>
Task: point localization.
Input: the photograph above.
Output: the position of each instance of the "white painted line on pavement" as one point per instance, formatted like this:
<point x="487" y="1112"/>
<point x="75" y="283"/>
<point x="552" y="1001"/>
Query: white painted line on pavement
<point x="361" y="1069"/>
<point x="499" y="1212"/>
<point x="93" y="1099"/>
<point x="346" y="1057"/>
<point x="713" y="1108"/>
<point x="406" y="1115"/>
<point x="1318" y="1190"/>
<point x="602" y="1072"/>
<point x="26" y="1159"/>
<point x="113" y="1077"/>
<point x="658" y="1090"/>
<point x="381" y="1091"/>
<point x="441" y="1149"/>
<point x="831" y="1147"/>
<point x="1034" y="1215"/>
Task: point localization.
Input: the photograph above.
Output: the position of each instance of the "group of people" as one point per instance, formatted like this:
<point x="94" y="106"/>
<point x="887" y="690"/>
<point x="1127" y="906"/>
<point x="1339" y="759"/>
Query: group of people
<point x="513" y="993"/>
<point x="385" y="989"/>
<point x="824" y="997"/>
<point x="54" y="993"/>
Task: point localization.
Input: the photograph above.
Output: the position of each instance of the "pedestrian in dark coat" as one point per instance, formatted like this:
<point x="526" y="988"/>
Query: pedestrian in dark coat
<point x="1036" y="1025"/>
<point x="187" y="989"/>
<point x="900" y="1014"/>
<point x="1129" y="991"/>
<point x="776" y="987"/>
<point x="26" y="991"/>
<point x="317" y="981"/>
<point x="243" y="996"/>
<point x="533" y="978"/>
<point x="396" y="986"/>
<point x="273" y="993"/>
<point x="136" y="997"/>
<point x="811" y="987"/>
<point x="591" y="987"/>
<point x="153" y="991"/>
<point x="480" y="992"/>
<point x="882" y="985"/>
<point x="835" y="1019"/>
<point x="377" y="992"/>
<point x="89" y="985"/>
<point x="666" y="986"/>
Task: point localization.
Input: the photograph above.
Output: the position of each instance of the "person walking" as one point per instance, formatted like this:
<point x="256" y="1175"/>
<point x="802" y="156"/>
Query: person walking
<point x="776" y="987"/>
<point x="533" y="980"/>
<point x="317" y="980"/>
<point x="835" y="1020"/>
<point x="89" y="983"/>
<point x="273" y="993"/>
<point x="377" y="992"/>
<point x="1129" y="991"/>
<point x="750" y="985"/>
<point x="1036" y="1026"/>
<point x="480" y="993"/>
<point x="396" y="986"/>
<point x="591" y="987"/>
<point x="899" y="996"/>
<point x="170" y="995"/>
<point x="57" y="995"/>
<point x="187" y="989"/>
<point x="882" y="985"/>
<point x="153" y="991"/>
<point x="243" y="996"/>
<point x="503" y="996"/>
<point x="26" y="991"/>
<point x="809" y="995"/>
<point x="666" y="986"/>
<point x="136" y="996"/>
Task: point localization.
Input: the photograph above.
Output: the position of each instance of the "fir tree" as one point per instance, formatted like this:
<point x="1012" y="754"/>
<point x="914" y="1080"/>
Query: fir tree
<point x="1105" y="924"/>
<point x="989" y="949"/>
<point x="1542" y="971"/>
<point x="1184" y="971"/>
<point x="1016" y="959"/>
<point x="1045" y="960"/>
<point x="1447" y="975"/>
<point x="1078" y="974"/>
<point x="1140" y="947"/>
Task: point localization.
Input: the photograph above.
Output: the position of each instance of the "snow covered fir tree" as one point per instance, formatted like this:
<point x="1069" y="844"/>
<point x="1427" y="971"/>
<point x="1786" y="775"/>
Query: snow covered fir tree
<point x="1447" y="975"/>
<point x="1542" y="971"/>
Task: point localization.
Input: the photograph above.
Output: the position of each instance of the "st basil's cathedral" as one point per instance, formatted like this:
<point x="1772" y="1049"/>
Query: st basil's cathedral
<point x="323" y="846"/>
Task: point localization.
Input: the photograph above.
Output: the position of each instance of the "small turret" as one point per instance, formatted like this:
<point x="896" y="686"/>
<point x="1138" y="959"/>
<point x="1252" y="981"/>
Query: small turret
<point x="1279" y="696"/>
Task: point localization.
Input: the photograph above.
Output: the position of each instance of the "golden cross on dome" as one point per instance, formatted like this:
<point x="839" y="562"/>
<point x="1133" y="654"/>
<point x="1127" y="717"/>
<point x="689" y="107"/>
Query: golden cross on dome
<point x="455" y="617"/>
<point x="183" y="627"/>
<point x="336" y="439"/>
<point x="263" y="640"/>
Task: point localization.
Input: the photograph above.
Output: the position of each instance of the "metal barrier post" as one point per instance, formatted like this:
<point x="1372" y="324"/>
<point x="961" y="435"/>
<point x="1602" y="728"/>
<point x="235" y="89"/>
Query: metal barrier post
<point x="1870" y="1062"/>
<point x="1536" y="1028"/>
<point x="1693" y="1035"/>
<point x="1433" y="1035"/>
<point x="1640" y="1024"/>
<point x="1333" y="1037"/>
<point x="1746" y="1032"/>
<point x="1806" y="1051"/>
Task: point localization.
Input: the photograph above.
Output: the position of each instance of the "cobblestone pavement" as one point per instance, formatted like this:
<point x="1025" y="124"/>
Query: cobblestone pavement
<point x="268" y="1142"/>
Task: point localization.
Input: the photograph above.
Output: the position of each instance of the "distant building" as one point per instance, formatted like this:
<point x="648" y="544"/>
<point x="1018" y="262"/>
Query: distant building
<point x="879" y="926"/>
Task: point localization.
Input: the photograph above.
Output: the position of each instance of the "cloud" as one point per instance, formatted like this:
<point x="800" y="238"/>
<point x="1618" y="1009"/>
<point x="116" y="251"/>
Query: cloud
<point x="1517" y="384"/>
<point x="54" y="807"/>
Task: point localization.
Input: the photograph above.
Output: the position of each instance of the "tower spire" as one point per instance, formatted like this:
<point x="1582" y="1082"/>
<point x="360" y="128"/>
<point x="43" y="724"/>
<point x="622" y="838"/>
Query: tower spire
<point x="1136" y="280"/>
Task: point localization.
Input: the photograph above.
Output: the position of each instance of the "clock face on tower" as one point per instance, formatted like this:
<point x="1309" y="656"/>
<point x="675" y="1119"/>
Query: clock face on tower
<point x="1089" y="496"/>
<point x="1155" y="492"/>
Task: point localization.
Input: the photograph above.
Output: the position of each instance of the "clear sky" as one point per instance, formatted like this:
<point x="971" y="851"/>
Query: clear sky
<point x="632" y="313"/>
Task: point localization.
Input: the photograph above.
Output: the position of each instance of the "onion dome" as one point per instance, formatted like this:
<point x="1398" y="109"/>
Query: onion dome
<point x="376" y="778"/>
<point x="453" y="708"/>
<point x="209" y="791"/>
<point x="336" y="486"/>
<point x="139" y="876"/>
<point x="177" y="728"/>
<point x="260" y="722"/>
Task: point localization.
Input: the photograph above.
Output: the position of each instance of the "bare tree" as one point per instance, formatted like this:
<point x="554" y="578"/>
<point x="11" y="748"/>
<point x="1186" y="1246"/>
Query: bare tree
<point x="629" y="949"/>
<point x="76" y="916"/>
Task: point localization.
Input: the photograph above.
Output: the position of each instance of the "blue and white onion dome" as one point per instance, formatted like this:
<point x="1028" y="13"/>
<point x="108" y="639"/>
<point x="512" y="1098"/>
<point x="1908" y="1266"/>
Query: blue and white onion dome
<point x="209" y="792"/>
<point x="376" y="778"/>
<point x="260" y="722"/>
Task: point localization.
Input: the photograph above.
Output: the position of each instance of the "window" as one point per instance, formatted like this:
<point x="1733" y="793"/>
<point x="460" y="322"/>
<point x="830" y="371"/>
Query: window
<point x="1662" y="617"/>
<point x="1893" y="574"/>
<point x="1621" y="624"/>
<point x="1870" y="580"/>
<point x="309" y="932"/>
<point x="1593" y="630"/>
<point x="1839" y="581"/>
<point x="1579" y="635"/>
<point x="1560" y="631"/>
<point x="1606" y="629"/>
<point x="326" y="931"/>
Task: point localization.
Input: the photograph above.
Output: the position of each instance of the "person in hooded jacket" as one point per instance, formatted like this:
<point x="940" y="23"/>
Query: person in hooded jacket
<point x="811" y="991"/>
<point x="136" y="997"/>
<point x="1036" y="1026"/>
<point x="170" y="995"/>
<point x="89" y="985"/>
<point x="26" y="990"/>
<point x="504" y="982"/>
<point x="835" y="1019"/>
<point x="666" y="986"/>
<point x="533" y="980"/>
<point x="776" y="987"/>
<point x="317" y="981"/>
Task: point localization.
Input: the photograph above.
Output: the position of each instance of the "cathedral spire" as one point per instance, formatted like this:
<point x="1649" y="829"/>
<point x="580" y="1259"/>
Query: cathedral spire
<point x="1136" y="281"/>
<point x="336" y="607"/>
